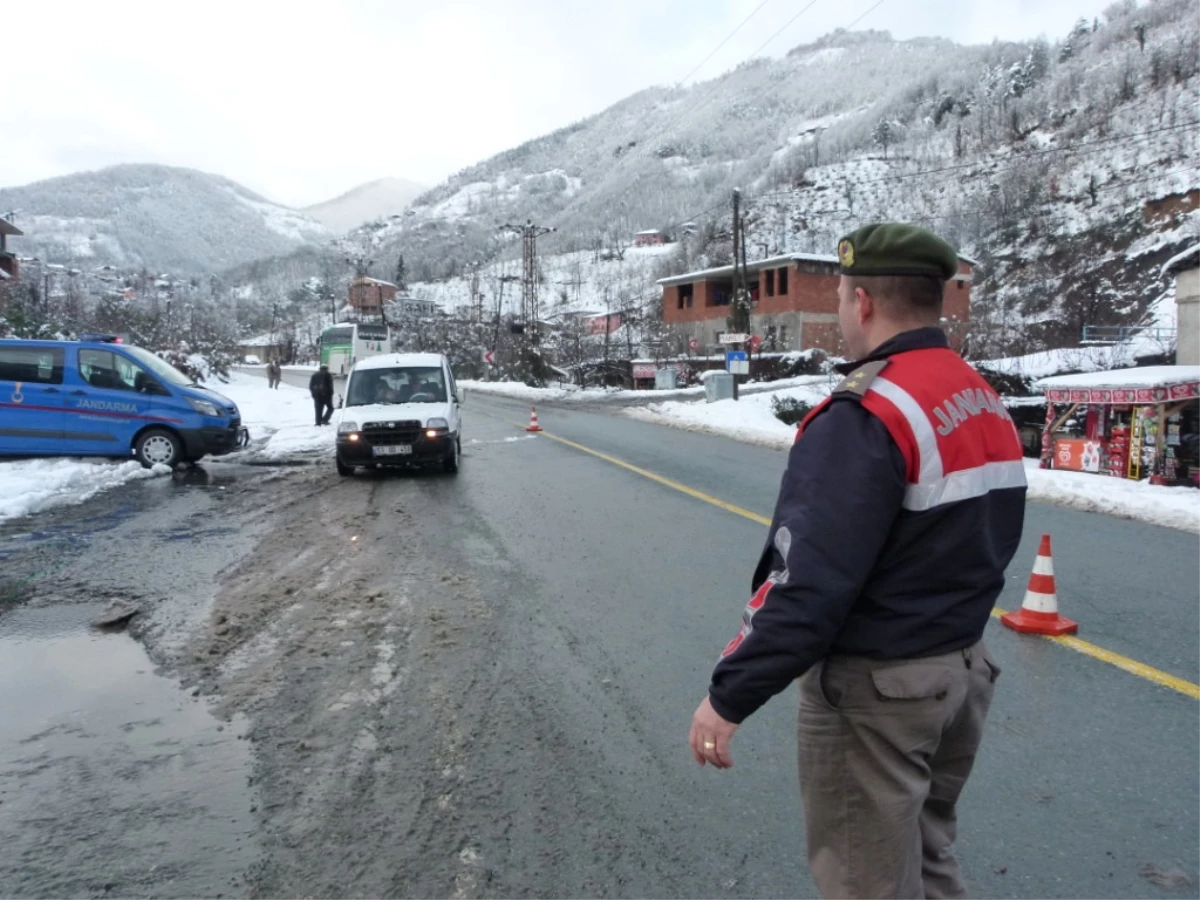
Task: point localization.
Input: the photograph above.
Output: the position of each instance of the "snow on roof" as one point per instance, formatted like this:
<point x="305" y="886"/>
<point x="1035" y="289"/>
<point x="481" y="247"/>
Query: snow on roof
<point x="650" y="231"/>
<point x="389" y="360"/>
<point x="1144" y="377"/>
<point x="367" y="279"/>
<point x="1179" y="262"/>
<point x="757" y="265"/>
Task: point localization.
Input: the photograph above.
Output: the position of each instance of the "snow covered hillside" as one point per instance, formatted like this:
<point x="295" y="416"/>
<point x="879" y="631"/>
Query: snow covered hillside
<point x="1068" y="169"/>
<point x="373" y="200"/>
<point x="158" y="217"/>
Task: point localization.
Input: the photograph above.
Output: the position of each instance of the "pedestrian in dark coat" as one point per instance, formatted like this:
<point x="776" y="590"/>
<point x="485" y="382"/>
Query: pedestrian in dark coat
<point x="321" y="388"/>
<point x="901" y="506"/>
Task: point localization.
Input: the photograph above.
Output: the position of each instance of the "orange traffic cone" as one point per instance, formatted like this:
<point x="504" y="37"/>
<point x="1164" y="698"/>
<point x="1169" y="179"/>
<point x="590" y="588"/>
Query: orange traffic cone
<point x="1039" y="613"/>
<point x="533" y="422"/>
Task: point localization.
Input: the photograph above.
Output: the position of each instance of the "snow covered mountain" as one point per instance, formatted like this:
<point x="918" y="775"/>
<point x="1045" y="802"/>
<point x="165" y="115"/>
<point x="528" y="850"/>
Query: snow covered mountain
<point x="158" y="217"/>
<point x="1069" y="169"/>
<point x="365" y="203"/>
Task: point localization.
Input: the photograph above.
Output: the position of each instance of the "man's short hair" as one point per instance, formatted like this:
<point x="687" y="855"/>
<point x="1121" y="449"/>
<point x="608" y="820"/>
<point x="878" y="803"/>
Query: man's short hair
<point x="904" y="296"/>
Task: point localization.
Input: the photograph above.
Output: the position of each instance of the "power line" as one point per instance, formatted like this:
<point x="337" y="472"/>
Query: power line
<point x="694" y="107"/>
<point x="1144" y="178"/>
<point x="727" y="39"/>
<point x="646" y="115"/>
<point x="787" y="24"/>
<point x="864" y="15"/>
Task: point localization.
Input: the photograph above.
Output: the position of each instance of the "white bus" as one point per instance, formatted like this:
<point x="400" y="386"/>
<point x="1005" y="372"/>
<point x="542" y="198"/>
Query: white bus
<point x="345" y="344"/>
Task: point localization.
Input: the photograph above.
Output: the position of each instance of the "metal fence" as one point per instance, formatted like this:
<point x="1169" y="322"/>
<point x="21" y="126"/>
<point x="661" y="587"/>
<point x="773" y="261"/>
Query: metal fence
<point x="1116" y="334"/>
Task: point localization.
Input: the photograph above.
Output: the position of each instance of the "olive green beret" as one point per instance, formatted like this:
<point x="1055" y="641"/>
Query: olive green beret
<point x="892" y="248"/>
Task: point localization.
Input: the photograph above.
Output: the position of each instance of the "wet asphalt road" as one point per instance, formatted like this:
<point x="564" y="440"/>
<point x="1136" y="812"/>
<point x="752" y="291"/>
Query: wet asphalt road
<point x="607" y="597"/>
<point x="1088" y="773"/>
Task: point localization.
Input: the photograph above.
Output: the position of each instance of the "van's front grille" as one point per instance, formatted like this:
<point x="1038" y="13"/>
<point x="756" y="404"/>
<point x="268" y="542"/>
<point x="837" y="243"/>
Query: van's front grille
<point x="390" y="433"/>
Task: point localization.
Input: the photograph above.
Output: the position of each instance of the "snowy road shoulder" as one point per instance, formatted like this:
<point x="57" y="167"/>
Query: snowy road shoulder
<point x="280" y="420"/>
<point x="751" y="420"/>
<point x="1171" y="507"/>
<point x="280" y="424"/>
<point x="30" y="486"/>
<point x="569" y="393"/>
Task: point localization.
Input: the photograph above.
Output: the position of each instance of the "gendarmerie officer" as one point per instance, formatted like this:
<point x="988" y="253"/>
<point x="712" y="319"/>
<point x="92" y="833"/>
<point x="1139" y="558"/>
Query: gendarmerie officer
<point x="901" y="506"/>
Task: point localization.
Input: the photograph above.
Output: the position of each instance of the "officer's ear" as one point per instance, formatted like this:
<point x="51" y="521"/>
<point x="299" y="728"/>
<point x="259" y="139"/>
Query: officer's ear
<point x="865" y="306"/>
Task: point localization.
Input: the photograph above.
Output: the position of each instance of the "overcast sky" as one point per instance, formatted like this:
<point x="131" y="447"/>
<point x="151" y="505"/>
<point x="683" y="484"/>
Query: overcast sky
<point x="301" y="100"/>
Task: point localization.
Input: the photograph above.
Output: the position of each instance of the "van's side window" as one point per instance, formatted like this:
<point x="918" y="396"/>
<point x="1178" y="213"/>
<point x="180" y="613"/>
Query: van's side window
<point x="31" y="365"/>
<point x="104" y="369"/>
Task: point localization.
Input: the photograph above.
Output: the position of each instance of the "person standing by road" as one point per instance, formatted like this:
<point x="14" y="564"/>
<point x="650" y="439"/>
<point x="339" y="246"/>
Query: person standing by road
<point x="321" y="388"/>
<point x="901" y="505"/>
<point x="274" y="373"/>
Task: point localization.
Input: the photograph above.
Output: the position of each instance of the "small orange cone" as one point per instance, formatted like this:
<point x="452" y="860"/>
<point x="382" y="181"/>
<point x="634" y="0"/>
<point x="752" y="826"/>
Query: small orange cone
<point x="533" y="422"/>
<point x="1039" y="612"/>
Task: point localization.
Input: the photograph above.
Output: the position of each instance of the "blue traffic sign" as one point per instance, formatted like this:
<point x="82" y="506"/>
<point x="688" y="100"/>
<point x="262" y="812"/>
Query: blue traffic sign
<point x="737" y="362"/>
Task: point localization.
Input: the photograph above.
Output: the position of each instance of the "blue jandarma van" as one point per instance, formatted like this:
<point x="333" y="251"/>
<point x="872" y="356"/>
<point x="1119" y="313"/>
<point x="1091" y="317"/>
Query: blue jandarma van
<point x="99" y="397"/>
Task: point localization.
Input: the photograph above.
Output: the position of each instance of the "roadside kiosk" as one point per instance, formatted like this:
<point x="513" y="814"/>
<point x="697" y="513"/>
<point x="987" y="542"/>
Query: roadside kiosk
<point x="1127" y="423"/>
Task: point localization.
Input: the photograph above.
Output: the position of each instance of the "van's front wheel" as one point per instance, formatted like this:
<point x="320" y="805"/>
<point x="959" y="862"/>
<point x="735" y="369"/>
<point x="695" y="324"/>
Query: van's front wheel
<point x="450" y="461"/>
<point x="158" y="447"/>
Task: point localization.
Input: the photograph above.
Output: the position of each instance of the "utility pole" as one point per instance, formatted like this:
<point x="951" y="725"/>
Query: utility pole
<point x="739" y="318"/>
<point x="530" y="310"/>
<point x="500" y="307"/>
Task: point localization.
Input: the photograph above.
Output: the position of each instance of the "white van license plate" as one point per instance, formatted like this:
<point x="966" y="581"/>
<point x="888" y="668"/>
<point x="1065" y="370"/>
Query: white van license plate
<point x="393" y="450"/>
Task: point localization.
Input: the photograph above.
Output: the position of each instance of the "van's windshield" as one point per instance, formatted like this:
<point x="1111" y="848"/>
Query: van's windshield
<point x="162" y="369"/>
<point x="404" y="384"/>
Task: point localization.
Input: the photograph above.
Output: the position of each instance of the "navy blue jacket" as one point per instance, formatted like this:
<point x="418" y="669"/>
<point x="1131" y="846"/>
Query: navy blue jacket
<point x="855" y="572"/>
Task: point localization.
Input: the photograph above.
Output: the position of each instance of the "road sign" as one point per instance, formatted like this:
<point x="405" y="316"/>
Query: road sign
<point x="733" y="338"/>
<point x="737" y="362"/>
<point x="755" y="343"/>
<point x="489" y="357"/>
<point x="694" y="344"/>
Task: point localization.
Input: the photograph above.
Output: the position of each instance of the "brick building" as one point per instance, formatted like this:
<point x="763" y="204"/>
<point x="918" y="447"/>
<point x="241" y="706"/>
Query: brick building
<point x="651" y="238"/>
<point x="10" y="269"/>
<point x="795" y="303"/>
<point x="368" y="295"/>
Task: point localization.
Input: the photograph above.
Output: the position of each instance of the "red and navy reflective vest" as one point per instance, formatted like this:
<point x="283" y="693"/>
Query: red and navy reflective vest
<point x="901" y="506"/>
<point x="957" y="439"/>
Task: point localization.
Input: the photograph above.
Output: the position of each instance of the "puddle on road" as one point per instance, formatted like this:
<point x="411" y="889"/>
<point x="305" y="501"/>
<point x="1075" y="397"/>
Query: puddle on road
<point x="113" y="781"/>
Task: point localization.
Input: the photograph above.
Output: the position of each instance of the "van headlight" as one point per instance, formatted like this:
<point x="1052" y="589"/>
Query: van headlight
<point x="347" y="427"/>
<point x="205" y="408"/>
<point x="438" y="423"/>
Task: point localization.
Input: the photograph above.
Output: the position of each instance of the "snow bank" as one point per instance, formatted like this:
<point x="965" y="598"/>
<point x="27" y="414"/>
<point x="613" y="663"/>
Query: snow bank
<point x="31" y="486"/>
<point x="1074" y="359"/>
<point x="752" y="420"/>
<point x="1171" y="507"/>
<point x="569" y="393"/>
<point x="519" y="391"/>
<point x="280" y="420"/>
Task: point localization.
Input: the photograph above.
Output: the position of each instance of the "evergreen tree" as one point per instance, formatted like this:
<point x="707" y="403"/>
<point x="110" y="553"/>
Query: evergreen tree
<point x="883" y="135"/>
<point x="401" y="274"/>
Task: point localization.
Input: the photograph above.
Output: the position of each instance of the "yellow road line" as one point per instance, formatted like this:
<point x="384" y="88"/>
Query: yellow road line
<point x="1132" y="666"/>
<point x="667" y="482"/>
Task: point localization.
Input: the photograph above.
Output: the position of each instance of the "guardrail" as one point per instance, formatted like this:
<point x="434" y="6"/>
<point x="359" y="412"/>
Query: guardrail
<point x="1117" y="334"/>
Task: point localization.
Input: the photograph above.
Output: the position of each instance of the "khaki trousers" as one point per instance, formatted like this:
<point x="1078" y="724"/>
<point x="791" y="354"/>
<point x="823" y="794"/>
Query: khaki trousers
<point x="885" y="747"/>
